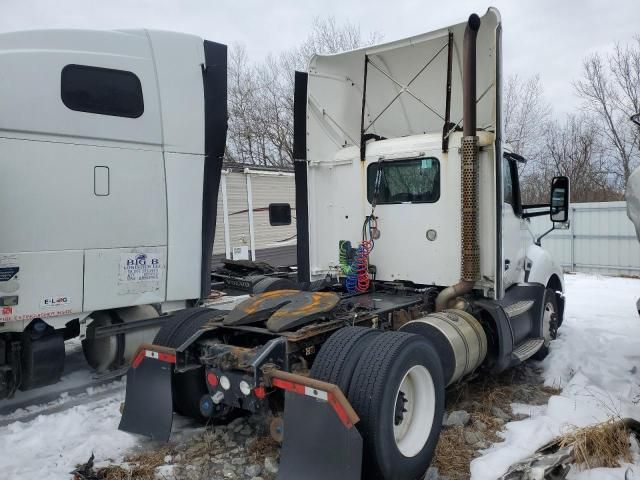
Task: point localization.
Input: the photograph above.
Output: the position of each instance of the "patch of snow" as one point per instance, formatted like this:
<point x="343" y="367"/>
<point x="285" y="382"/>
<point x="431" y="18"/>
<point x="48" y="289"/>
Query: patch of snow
<point x="528" y="410"/>
<point x="596" y="362"/>
<point x="50" y="446"/>
<point x="165" y="471"/>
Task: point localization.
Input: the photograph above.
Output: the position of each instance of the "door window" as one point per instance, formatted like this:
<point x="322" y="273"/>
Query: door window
<point x="404" y="181"/>
<point x="511" y="186"/>
<point x="507" y="182"/>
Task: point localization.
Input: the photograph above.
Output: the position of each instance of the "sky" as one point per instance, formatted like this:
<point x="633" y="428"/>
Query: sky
<point x="545" y="37"/>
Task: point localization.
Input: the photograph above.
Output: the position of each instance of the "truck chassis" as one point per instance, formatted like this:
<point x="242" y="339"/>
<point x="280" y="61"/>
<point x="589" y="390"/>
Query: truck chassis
<point x="220" y="363"/>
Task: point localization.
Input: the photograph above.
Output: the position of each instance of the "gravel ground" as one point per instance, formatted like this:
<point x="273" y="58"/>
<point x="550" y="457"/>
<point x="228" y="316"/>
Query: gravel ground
<point x="243" y="449"/>
<point x="237" y="451"/>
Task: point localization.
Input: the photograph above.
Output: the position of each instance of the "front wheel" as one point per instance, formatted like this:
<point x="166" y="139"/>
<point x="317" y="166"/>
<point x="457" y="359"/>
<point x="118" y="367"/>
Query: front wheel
<point x="397" y="389"/>
<point x="550" y="323"/>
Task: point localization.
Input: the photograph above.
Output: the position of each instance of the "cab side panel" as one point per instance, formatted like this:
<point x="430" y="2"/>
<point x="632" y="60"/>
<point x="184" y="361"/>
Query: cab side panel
<point x="179" y="62"/>
<point x="78" y="178"/>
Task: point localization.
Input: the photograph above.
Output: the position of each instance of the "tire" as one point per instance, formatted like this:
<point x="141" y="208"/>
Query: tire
<point x="398" y="366"/>
<point x="185" y="323"/>
<point x="550" y="323"/>
<point x="338" y="357"/>
<point x="188" y="387"/>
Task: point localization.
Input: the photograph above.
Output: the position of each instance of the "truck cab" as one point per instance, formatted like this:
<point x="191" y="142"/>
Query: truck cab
<point x="396" y="111"/>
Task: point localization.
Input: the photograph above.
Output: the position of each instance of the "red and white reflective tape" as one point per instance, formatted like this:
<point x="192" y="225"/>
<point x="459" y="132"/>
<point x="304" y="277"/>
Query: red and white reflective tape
<point x="163" y="357"/>
<point x="315" y="393"/>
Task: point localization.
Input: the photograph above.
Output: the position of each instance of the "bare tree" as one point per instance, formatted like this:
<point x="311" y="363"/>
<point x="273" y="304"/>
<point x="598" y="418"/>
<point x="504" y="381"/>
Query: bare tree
<point x="261" y="95"/>
<point x="574" y="149"/>
<point x="610" y="90"/>
<point x="525" y="115"/>
<point x="327" y="36"/>
<point x="243" y="142"/>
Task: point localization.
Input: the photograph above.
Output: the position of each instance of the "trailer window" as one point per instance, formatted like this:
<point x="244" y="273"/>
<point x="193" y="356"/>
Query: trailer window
<point x="404" y="181"/>
<point x="104" y="91"/>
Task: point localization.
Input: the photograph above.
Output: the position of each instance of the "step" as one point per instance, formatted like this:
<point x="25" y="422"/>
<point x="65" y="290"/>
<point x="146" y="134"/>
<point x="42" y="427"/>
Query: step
<point x="518" y="308"/>
<point x="528" y="348"/>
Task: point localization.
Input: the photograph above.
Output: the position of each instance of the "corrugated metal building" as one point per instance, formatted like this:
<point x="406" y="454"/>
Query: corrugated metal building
<point x="243" y="216"/>
<point x="601" y="239"/>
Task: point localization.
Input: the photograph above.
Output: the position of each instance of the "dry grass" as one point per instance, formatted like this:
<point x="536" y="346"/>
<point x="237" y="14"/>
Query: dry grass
<point x="139" y="466"/>
<point x="262" y="447"/>
<point x="119" y="472"/>
<point x="602" y="445"/>
<point x="453" y="455"/>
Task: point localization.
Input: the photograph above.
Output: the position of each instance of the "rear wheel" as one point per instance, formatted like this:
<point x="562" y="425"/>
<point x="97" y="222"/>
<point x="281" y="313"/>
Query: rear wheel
<point x="397" y="389"/>
<point x="549" y="323"/>
<point x="188" y="387"/>
<point x="339" y="355"/>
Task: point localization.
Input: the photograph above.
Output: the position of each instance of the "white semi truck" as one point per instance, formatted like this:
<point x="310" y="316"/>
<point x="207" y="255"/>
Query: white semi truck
<point x="110" y="151"/>
<point x="416" y="268"/>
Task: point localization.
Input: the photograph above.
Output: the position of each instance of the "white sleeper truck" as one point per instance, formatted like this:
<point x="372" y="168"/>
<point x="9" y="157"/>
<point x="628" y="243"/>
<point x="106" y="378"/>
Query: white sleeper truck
<point x="111" y="146"/>
<point x="416" y="269"/>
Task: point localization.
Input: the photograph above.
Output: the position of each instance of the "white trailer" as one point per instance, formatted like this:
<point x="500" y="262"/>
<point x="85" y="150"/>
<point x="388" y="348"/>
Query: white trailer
<point x="110" y="150"/>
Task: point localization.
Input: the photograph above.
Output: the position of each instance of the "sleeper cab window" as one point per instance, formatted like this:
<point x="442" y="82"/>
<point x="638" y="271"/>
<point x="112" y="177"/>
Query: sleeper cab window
<point x="103" y="91"/>
<point x="404" y="181"/>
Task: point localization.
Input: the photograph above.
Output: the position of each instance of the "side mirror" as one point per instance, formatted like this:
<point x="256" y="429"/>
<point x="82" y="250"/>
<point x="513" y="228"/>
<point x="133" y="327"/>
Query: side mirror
<point x="560" y="189"/>
<point x="279" y="214"/>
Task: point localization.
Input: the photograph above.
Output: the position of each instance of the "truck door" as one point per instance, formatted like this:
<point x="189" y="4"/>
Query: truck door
<point x="512" y="245"/>
<point x="415" y="200"/>
<point x="121" y="200"/>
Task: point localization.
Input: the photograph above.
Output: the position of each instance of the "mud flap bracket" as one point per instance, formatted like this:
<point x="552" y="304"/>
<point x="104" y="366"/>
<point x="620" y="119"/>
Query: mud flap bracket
<point x="320" y="439"/>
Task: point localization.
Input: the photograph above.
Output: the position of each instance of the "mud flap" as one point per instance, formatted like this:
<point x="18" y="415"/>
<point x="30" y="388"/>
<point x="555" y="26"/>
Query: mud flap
<point x="320" y="439"/>
<point x="148" y="406"/>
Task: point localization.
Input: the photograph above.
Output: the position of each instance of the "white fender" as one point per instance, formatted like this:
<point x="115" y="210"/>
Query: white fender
<point x="541" y="266"/>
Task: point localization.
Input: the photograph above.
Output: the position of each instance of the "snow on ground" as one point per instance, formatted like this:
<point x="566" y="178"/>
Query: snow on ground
<point x="596" y="362"/>
<point x="51" y="445"/>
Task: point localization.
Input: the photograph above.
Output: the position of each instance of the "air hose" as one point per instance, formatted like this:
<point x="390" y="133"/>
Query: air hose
<point x="357" y="272"/>
<point x="343" y="257"/>
<point x="358" y="280"/>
